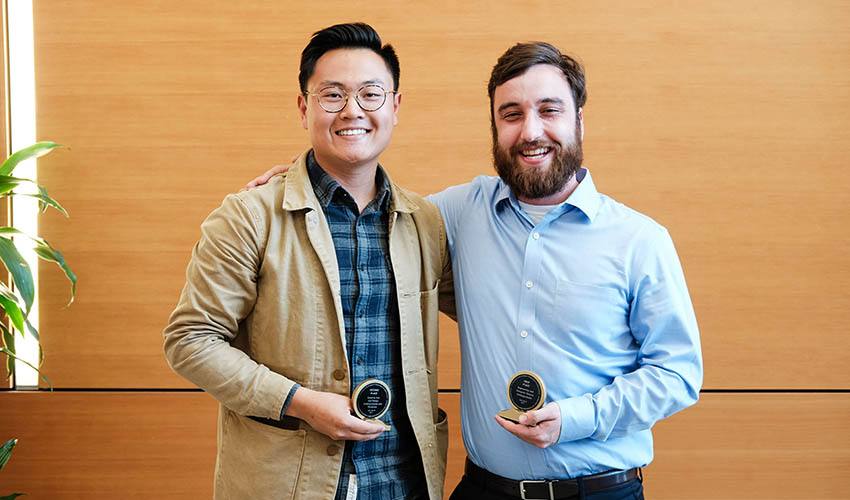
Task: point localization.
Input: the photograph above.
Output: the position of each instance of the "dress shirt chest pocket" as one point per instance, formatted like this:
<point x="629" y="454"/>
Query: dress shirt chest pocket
<point x="594" y="311"/>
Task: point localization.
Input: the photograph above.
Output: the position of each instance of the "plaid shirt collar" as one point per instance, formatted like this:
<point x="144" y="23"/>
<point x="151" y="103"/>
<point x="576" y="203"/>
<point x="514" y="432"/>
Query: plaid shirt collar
<point x="326" y="188"/>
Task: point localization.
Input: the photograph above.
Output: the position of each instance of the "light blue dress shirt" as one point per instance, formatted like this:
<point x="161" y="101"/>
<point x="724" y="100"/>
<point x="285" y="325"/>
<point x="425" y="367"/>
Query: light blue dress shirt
<point x="592" y="299"/>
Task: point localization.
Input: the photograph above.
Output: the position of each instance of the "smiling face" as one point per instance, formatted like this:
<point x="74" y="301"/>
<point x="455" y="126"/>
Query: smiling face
<point x="538" y="132"/>
<point x="351" y="138"/>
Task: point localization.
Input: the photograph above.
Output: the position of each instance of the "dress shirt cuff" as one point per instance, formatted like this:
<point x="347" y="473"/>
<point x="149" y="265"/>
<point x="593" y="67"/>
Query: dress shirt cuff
<point x="288" y="400"/>
<point x="578" y="418"/>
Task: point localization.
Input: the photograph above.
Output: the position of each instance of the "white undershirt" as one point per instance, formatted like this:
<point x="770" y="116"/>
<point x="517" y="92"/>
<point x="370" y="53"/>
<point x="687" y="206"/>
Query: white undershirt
<point x="536" y="212"/>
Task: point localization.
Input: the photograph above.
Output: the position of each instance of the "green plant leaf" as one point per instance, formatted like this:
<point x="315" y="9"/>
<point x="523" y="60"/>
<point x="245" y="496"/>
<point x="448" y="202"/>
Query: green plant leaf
<point x="13" y="496"/>
<point x="6" y="451"/>
<point x="19" y="269"/>
<point x="11" y="354"/>
<point x="9" y="303"/>
<point x="34" y="151"/>
<point x="8" y="183"/>
<point x="50" y="254"/>
<point x="44" y="250"/>
<point x="44" y="201"/>
<point x="8" y="343"/>
<point x="33" y="332"/>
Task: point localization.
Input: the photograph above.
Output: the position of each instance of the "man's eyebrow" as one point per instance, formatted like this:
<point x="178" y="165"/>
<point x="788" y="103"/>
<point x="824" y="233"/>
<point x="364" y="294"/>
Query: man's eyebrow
<point x="506" y="106"/>
<point x="333" y="83"/>
<point x="545" y="100"/>
<point x="551" y="100"/>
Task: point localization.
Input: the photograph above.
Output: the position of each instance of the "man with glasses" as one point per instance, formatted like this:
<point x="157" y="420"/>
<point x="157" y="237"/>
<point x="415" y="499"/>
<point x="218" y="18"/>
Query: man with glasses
<point x="577" y="291"/>
<point x="302" y="289"/>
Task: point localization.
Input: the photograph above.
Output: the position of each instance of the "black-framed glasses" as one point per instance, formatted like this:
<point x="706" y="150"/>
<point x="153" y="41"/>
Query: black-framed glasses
<point x="334" y="99"/>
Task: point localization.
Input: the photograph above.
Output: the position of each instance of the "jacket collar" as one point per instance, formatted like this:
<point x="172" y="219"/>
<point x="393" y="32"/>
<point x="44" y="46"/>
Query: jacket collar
<point x="298" y="191"/>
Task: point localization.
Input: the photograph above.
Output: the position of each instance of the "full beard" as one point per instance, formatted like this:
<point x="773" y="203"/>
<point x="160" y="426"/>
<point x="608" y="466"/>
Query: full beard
<point x="538" y="182"/>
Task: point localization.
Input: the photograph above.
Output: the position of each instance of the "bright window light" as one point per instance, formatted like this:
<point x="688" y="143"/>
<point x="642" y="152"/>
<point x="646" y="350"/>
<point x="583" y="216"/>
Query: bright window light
<point x="22" y="129"/>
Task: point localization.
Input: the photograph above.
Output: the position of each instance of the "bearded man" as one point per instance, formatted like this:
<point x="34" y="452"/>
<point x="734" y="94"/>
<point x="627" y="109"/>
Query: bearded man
<point x="553" y="278"/>
<point x="558" y="283"/>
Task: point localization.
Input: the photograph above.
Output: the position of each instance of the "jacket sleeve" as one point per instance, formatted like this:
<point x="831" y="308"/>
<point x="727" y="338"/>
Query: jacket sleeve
<point x="220" y="292"/>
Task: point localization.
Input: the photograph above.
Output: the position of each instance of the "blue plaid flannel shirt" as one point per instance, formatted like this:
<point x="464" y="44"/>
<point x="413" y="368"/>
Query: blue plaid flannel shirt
<point x="389" y="467"/>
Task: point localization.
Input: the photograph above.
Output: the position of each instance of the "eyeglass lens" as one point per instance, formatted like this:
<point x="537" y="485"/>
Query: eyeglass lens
<point x="370" y="98"/>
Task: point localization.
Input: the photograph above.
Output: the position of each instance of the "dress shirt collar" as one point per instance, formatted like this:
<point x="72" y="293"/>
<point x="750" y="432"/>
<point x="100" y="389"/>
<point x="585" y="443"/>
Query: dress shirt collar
<point x="584" y="197"/>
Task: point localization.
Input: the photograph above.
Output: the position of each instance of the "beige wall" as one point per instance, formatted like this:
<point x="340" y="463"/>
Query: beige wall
<point x="725" y="121"/>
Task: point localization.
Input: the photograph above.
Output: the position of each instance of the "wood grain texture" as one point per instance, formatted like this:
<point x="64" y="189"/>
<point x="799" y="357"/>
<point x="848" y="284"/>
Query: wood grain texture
<point x="754" y="447"/>
<point x="725" y="121"/>
<point x="107" y="445"/>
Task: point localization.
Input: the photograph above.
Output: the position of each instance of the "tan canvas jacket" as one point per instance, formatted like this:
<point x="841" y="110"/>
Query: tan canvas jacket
<point x="261" y="311"/>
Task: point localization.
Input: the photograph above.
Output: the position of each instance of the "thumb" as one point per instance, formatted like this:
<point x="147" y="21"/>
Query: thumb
<point x="549" y="412"/>
<point x="530" y="418"/>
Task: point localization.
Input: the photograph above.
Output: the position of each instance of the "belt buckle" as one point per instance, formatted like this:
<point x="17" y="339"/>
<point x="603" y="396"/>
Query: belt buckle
<point x="535" y="481"/>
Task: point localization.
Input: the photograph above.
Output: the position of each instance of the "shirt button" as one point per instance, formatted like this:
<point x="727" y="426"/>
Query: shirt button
<point x="354" y="455"/>
<point x="339" y="374"/>
<point x="333" y="450"/>
<point x="359" y="361"/>
<point x="362" y="313"/>
<point x="362" y="267"/>
<point x="529" y="284"/>
<point x="523" y="334"/>
<point x="536" y="236"/>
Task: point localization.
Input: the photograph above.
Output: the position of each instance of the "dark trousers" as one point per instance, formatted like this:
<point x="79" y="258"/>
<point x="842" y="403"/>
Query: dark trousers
<point x="467" y="489"/>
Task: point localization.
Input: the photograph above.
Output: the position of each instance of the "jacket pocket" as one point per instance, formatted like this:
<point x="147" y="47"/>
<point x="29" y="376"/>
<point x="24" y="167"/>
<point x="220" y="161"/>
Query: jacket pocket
<point x="256" y="460"/>
<point x="441" y="430"/>
<point x="428" y="302"/>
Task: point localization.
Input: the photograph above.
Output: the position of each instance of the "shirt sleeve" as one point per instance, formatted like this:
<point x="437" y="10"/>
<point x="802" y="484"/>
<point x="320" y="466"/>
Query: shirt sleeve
<point x="288" y="400"/>
<point x="669" y="372"/>
<point x="220" y="291"/>
<point x="451" y="202"/>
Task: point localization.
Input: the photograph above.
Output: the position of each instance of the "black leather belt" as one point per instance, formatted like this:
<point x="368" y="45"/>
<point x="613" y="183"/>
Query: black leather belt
<point x="544" y="489"/>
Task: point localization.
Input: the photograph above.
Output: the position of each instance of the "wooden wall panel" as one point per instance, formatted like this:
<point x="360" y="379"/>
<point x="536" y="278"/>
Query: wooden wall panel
<point x="108" y="445"/>
<point x="726" y="121"/>
<point x="754" y="446"/>
<point x="142" y="445"/>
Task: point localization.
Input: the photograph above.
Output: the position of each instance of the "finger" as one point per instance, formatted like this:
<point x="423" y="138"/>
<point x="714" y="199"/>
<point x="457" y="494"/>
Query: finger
<point x="523" y="432"/>
<point x="364" y="437"/>
<point x="533" y="418"/>
<point x="363" y="428"/>
<point x="509" y="426"/>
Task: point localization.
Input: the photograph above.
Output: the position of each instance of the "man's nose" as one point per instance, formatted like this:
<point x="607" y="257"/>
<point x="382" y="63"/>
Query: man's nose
<point x="532" y="128"/>
<point x="352" y="108"/>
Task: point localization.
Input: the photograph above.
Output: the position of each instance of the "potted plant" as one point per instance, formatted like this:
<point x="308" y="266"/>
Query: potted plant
<point x="16" y="301"/>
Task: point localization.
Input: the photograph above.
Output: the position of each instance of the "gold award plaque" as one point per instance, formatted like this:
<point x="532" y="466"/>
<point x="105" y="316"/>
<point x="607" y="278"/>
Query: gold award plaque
<point x="371" y="400"/>
<point x="526" y="392"/>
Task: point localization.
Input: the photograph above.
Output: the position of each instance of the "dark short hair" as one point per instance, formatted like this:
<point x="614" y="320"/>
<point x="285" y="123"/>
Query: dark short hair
<point x="522" y="56"/>
<point x="343" y="36"/>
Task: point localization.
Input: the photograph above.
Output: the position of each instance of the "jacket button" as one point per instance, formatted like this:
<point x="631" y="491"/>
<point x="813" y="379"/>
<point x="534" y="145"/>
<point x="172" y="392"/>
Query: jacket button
<point x="339" y="374"/>
<point x="333" y="450"/>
